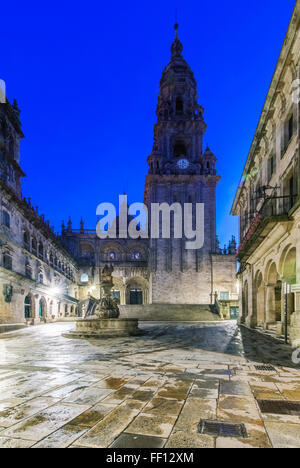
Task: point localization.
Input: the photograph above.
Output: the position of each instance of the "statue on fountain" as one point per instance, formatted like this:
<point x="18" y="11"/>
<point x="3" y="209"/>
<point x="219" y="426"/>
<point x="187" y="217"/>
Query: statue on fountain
<point x="107" y="307"/>
<point x="102" y="317"/>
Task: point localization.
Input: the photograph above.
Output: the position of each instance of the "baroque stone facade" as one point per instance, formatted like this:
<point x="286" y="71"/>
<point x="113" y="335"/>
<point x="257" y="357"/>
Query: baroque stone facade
<point x="267" y="202"/>
<point x="38" y="276"/>
<point x="43" y="275"/>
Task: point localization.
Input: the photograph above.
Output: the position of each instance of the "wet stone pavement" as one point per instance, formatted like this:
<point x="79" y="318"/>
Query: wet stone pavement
<point x="148" y="391"/>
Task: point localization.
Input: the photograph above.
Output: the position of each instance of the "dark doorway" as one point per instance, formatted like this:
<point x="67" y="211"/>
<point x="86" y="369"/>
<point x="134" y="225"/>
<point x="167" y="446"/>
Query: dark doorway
<point x="136" y="297"/>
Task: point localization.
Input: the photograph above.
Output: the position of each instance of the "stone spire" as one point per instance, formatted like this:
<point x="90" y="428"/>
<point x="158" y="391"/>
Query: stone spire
<point x="176" y="47"/>
<point x="81" y="226"/>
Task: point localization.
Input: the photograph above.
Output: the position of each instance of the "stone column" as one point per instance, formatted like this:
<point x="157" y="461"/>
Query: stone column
<point x="251" y="319"/>
<point x="295" y="318"/>
<point x="270" y="304"/>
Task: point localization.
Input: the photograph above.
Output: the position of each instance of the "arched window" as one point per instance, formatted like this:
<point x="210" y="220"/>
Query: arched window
<point x="41" y="278"/>
<point x="112" y="256"/>
<point x="136" y="255"/>
<point x="26" y="240"/>
<point x="180" y="149"/>
<point x="84" y="278"/>
<point x="41" y="250"/>
<point x="6" y="218"/>
<point x="179" y="106"/>
<point x="51" y="259"/>
<point x="34" y="246"/>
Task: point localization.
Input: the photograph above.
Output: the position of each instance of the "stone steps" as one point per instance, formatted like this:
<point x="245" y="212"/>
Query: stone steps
<point x="170" y="313"/>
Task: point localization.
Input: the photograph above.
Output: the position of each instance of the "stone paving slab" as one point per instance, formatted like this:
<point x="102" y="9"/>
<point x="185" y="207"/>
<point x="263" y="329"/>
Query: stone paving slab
<point x="148" y="391"/>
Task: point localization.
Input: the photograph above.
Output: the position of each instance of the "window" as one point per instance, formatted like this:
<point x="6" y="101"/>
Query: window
<point x="41" y="278"/>
<point x="7" y="261"/>
<point x="224" y="296"/>
<point x="26" y="240"/>
<point x="28" y="271"/>
<point x="287" y="134"/>
<point x="51" y="260"/>
<point x="112" y="256"/>
<point x="6" y="218"/>
<point x="291" y="192"/>
<point x="27" y="307"/>
<point x="271" y="166"/>
<point x="136" y="256"/>
<point x="290" y="128"/>
<point x="41" y="251"/>
<point x="84" y="278"/>
<point x="34" y="246"/>
<point x="179" y="106"/>
<point x="180" y="149"/>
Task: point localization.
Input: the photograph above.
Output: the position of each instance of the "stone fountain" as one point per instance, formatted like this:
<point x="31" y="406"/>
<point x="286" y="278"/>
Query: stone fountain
<point x="102" y="317"/>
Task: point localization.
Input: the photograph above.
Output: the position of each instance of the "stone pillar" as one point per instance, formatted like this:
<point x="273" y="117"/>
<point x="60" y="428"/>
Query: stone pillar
<point x="270" y="304"/>
<point x="295" y="318"/>
<point x="251" y="319"/>
<point x="35" y="310"/>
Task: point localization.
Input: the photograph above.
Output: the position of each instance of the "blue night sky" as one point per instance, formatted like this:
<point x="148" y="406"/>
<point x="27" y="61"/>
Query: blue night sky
<point x="86" y="76"/>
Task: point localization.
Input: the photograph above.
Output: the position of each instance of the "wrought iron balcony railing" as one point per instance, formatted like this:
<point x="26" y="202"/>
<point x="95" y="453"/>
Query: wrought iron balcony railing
<point x="259" y="224"/>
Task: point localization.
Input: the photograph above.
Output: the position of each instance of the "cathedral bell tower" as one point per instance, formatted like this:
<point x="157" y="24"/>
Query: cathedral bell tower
<point x="181" y="171"/>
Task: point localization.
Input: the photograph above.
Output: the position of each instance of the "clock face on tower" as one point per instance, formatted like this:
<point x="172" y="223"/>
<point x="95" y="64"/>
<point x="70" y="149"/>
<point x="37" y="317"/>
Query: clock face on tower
<point x="183" y="164"/>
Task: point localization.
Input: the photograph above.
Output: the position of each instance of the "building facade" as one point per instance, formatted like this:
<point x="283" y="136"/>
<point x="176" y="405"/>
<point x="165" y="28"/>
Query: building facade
<point x="38" y="276"/>
<point x="268" y="203"/>
<point x="43" y="275"/>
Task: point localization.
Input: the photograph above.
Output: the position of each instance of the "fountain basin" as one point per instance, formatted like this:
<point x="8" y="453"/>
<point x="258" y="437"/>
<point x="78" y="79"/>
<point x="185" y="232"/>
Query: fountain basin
<point x="104" y="328"/>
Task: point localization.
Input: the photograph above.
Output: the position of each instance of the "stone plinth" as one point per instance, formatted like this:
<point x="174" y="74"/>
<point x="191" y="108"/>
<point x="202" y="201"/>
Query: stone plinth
<point x="104" y="328"/>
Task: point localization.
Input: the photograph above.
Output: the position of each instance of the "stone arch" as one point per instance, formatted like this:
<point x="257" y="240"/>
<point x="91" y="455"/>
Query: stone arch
<point x="259" y="309"/>
<point x="109" y="248"/>
<point x="87" y="250"/>
<point x="273" y="295"/>
<point x="289" y="266"/>
<point x="137" y="291"/>
<point x="42" y="308"/>
<point x="289" y="276"/>
<point x="282" y="258"/>
<point x="137" y="248"/>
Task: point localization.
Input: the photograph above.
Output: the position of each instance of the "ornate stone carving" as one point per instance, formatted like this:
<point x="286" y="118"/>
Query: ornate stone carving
<point x="7" y="292"/>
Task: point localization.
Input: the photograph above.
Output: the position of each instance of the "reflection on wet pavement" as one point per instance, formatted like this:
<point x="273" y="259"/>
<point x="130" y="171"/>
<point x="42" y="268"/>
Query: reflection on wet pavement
<point x="145" y="391"/>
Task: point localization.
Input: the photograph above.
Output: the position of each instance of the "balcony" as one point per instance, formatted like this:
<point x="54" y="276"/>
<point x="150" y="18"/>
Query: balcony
<point x="273" y="211"/>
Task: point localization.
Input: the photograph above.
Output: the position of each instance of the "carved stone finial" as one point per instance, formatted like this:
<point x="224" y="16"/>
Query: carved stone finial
<point x="177" y="47"/>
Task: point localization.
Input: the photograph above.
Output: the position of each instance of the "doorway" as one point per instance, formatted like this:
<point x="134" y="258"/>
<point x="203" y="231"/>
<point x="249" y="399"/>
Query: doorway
<point x="136" y="297"/>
